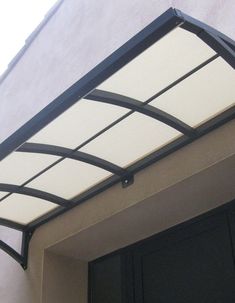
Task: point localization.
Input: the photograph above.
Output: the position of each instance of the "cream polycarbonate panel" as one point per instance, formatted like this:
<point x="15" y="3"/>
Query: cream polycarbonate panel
<point x="161" y="64"/>
<point x="78" y="123"/>
<point x="131" y="139"/>
<point x="202" y="96"/>
<point x="2" y="194"/>
<point x="69" y="178"/>
<point x="18" y="167"/>
<point x="24" y="209"/>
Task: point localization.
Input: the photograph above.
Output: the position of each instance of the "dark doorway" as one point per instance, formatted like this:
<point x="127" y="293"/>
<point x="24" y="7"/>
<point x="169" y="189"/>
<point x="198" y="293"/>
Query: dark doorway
<point x="192" y="262"/>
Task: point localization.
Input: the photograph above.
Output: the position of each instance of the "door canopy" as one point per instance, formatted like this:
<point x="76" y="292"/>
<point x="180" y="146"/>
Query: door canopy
<point x="167" y="86"/>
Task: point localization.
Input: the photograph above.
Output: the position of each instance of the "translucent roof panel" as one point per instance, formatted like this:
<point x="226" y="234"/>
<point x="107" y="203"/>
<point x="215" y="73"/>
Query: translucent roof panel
<point x="2" y="194"/>
<point x="159" y="65"/>
<point x="18" y="167"/>
<point x="131" y="139"/>
<point x="78" y="124"/>
<point x="69" y="178"/>
<point x="11" y="237"/>
<point x="201" y="96"/>
<point x="24" y="209"/>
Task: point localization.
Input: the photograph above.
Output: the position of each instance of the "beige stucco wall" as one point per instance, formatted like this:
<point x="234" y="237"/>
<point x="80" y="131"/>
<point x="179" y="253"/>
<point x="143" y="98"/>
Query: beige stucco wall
<point x="61" y="272"/>
<point x="80" y="35"/>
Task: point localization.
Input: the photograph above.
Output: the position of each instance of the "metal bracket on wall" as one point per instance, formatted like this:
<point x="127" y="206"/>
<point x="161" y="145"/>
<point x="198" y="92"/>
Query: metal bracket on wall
<point x="127" y="180"/>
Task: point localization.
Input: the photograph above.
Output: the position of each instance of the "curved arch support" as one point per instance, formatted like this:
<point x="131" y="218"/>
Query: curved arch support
<point x="71" y="154"/>
<point x="145" y="109"/>
<point x="11" y="188"/>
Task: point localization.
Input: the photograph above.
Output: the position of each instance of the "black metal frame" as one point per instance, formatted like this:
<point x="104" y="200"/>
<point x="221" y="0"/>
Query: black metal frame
<point x="15" y="189"/>
<point x="143" y="108"/>
<point x="21" y="258"/>
<point x="84" y="88"/>
<point x="75" y="155"/>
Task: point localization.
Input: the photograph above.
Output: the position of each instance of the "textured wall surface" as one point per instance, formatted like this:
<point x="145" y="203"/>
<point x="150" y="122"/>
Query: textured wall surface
<point x="80" y="35"/>
<point x="60" y="273"/>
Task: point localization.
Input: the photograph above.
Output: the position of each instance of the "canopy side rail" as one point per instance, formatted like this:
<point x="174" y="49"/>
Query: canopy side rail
<point x="146" y="109"/>
<point x="64" y="152"/>
<point x="195" y="26"/>
<point x="219" y="42"/>
<point x="230" y="44"/>
<point x="219" y="45"/>
<point x="11" y="188"/>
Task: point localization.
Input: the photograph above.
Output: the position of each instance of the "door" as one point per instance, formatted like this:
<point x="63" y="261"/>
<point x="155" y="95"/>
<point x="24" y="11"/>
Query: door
<point x="190" y="263"/>
<point x="194" y="264"/>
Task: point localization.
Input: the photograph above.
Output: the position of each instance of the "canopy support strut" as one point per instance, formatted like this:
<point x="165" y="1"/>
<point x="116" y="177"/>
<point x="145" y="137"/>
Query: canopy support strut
<point x="21" y="258"/>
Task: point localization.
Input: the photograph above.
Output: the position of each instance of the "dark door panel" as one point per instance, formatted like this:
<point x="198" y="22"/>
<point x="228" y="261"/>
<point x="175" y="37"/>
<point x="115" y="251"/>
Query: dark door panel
<point x="194" y="265"/>
<point x="106" y="280"/>
<point x="190" y="263"/>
